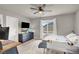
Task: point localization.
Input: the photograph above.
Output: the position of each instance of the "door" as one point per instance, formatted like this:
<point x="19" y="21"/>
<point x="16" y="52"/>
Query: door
<point x="12" y="23"/>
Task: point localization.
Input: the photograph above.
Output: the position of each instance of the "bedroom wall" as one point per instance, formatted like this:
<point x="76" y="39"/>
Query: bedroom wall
<point x="76" y="26"/>
<point x="20" y="21"/>
<point x="12" y="14"/>
<point x="65" y="23"/>
<point x="35" y="25"/>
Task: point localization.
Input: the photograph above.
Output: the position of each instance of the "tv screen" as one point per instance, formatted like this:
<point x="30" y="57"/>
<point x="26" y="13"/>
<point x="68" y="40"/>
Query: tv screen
<point x="25" y="25"/>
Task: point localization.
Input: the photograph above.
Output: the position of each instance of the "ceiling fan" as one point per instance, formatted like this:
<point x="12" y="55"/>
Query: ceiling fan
<point x="40" y="9"/>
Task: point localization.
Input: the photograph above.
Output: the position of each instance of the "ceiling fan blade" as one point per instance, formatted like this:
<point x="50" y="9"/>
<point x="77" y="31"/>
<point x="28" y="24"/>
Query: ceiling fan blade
<point x="43" y="5"/>
<point x="33" y="8"/>
<point x="47" y="10"/>
<point x="35" y="12"/>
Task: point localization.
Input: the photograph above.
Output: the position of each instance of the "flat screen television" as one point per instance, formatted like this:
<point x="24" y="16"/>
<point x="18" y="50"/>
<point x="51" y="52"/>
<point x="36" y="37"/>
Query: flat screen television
<point x="25" y="25"/>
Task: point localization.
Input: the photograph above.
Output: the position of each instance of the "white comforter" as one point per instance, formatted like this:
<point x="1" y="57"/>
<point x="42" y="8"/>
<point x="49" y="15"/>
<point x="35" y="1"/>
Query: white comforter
<point x="61" y="38"/>
<point x="56" y="38"/>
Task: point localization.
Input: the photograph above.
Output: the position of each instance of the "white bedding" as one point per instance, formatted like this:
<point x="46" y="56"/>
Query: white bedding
<point x="61" y="38"/>
<point x="73" y="37"/>
<point x="56" y="38"/>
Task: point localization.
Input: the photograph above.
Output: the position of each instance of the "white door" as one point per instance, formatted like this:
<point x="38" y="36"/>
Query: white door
<point x="12" y="23"/>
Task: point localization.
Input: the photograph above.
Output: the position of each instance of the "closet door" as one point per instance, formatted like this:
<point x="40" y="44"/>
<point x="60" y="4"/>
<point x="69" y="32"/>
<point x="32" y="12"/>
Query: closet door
<point x="12" y="23"/>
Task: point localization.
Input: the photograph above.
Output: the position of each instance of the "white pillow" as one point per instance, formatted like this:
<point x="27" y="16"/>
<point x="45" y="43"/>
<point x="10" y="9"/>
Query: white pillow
<point x="72" y="37"/>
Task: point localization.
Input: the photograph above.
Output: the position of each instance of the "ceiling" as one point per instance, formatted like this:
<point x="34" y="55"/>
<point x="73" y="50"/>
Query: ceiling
<point x="24" y="9"/>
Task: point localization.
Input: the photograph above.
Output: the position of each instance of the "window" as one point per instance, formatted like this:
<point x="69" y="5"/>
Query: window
<point x="50" y="27"/>
<point x="47" y="27"/>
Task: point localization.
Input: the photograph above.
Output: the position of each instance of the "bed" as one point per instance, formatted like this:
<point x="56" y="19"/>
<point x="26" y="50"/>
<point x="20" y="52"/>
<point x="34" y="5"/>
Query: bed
<point x="70" y="38"/>
<point x="68" y="43"/>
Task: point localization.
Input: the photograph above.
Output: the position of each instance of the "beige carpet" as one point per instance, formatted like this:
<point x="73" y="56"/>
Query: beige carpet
<point x="31" y="47"/>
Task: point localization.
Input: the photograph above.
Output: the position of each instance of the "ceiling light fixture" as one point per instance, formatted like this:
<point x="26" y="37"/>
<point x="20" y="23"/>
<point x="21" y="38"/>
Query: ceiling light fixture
<point x="40" y="12"/>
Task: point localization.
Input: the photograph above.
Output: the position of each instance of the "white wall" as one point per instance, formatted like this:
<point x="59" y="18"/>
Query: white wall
<point x="35" y="25"/>
<point x="22" y="20"/>
<point x="1" y="20"/>
<point x="14" y="23"/>
<point x="76" y="27"/>
<point x="65" y="23"/>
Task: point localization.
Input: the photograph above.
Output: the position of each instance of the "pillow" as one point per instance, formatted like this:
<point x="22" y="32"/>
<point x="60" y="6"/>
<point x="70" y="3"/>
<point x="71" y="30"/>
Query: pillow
<point x="72" y="37"/>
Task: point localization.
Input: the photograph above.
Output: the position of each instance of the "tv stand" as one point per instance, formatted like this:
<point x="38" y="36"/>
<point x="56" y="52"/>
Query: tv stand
<point x="23" y="37"/>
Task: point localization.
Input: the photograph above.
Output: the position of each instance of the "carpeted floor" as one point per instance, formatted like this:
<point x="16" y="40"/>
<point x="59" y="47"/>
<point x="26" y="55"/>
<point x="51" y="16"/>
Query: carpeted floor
<point x="31" y="47"/>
